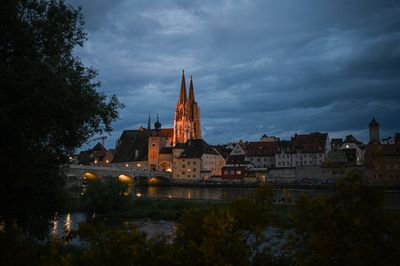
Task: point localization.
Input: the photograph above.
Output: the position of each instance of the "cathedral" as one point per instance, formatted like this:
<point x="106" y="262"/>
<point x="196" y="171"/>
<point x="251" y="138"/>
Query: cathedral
<point x="187" y="115"/>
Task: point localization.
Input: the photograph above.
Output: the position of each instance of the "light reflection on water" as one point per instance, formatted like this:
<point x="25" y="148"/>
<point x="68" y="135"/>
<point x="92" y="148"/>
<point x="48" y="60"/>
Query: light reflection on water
<point x="62" y="225"/>
<point x="2" y="226"/>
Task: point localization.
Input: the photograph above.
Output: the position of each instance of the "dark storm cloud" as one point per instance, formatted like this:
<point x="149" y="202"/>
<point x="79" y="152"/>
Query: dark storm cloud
<point x="275" y="67"/>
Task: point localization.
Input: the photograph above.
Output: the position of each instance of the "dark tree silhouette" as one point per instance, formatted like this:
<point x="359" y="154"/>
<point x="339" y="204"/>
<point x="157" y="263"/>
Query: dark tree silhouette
<point x="49" y="105"/>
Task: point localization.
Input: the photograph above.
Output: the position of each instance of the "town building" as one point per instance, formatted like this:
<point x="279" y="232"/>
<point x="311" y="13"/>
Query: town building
<point x="283" y="157"/>
<point x="261" y="154"/>
<point x="196" y="161"/>
<point x="96" y="156"/>
<point x="383" y="162"/>
<point x="266" y="138"/>
<point x="354" y="150"/>
<point x="236" y="166"/>
<point x="132" y="149"/>
<point x="309" y="149"/>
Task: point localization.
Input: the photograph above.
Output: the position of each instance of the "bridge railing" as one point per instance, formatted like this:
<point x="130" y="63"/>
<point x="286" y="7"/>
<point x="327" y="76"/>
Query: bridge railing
<point x="116" y="169"/>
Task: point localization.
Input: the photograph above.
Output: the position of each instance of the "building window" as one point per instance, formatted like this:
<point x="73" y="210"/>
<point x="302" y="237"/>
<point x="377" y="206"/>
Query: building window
<point x="194" y="169"/>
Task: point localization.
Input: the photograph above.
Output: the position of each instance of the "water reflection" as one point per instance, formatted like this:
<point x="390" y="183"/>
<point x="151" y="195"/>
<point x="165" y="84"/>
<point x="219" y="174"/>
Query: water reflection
<point x="68" y="225"/>
<point x="54" y="228"/>
<point x="2" y="226"/>
<point x="287" y="195"/>
<point x="63" y="225"/>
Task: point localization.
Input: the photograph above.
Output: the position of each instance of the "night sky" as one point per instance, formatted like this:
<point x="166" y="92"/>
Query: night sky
<point x="259" y="67"/>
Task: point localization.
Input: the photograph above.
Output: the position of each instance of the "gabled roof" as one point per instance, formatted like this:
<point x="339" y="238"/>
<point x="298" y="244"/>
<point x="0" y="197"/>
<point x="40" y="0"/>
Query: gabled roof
<point x="223" y="150"/>
<point x="352" y="139"/>
<point x="377" y="149"/>
<point x="130" y="142"/>
<point x="167" y="132"/>
<point x="336" y="142"/>
<point x="98" y="147"/>
<point x="261" y="148"/>
<point x="195" y="148"/>
<point x="310" y="143"/>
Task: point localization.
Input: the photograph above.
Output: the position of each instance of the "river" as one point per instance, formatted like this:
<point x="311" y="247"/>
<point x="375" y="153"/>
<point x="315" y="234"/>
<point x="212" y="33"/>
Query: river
<point x="391" y="198"/>
<point x="64" y="224"/>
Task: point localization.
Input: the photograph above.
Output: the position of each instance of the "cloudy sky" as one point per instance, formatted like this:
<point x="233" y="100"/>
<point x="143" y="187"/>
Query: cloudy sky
<point x="273" y="67"/>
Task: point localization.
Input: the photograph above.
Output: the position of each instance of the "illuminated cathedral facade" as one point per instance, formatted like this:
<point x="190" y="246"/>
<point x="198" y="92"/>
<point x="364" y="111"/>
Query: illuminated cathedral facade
<point x="187" y="115"/>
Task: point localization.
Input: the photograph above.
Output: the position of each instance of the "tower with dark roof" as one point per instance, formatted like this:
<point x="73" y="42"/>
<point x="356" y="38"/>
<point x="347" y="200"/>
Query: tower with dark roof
<point x="187" y="115"/>
<point x="373" y="131"/>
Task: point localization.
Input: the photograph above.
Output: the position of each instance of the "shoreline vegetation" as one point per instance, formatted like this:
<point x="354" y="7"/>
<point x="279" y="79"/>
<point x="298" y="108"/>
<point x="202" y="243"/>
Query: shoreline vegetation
<point x="221" y="232"/>
<point x="257" y="184"/>
<point x="161" y="208"/>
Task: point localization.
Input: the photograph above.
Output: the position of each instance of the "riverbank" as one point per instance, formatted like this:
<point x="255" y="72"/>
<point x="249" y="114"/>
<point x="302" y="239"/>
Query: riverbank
<point x="158" y="208"/>
<point x="308" y="186"/>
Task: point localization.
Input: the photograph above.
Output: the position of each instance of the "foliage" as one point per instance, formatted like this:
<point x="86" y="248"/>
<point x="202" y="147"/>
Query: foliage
<point x="348" y="228"/>
<point x="210" y="238"/>
<point x="49" y="105"/>
<point x="105" y="196"/>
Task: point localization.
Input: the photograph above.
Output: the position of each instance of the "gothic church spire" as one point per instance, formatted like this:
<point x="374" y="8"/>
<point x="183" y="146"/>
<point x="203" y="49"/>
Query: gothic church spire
<point x="182" y="95"/>
<point x="191" y="91"/>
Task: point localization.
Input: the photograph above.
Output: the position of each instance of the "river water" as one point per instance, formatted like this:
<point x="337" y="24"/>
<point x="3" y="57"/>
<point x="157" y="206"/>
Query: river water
<point x="64" y="224"/>
<point x="391" y="198"/>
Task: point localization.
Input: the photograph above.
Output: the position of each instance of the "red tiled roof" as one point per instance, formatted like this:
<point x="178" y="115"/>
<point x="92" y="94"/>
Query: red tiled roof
<point x="310" y="143"/>
<point x="168" y="132"/>
<point x="260" y="149"/>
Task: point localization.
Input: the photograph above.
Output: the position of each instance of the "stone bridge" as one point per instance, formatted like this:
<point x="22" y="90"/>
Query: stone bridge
<point x="125" y="174"/>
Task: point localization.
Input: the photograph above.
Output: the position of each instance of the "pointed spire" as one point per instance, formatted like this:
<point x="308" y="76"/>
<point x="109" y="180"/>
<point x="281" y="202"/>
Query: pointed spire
<point x="182" y="95"/>
<point x="157" y="124"/>
<point x="148" y="123"/>
<point x="191" y="91"/>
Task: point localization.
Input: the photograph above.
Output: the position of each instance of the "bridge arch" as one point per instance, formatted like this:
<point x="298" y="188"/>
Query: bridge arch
<point x="165" y="166"/>
<point x="125" y="178"/>
<point x="89" y="176"/>
<point x="158" y="180"/>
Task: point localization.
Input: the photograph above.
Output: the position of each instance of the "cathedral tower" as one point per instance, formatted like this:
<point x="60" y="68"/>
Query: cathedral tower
<point x="187" y="115"/>
<point x="373" y="131"/>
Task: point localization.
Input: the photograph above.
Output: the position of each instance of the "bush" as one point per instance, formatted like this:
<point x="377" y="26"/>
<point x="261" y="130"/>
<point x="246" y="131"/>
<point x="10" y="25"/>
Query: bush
<point x="105" y="196"/>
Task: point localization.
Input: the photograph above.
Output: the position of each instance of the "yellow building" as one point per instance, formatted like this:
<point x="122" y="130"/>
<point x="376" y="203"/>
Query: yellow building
<point x="196" y="161"/>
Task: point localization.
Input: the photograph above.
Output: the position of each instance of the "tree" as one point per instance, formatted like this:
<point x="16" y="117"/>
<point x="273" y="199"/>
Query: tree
<point x="348" y="228"/>
<point x="209" y="237"/>
<point x="50" y="104"/>
<point x="106" y="196"/>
